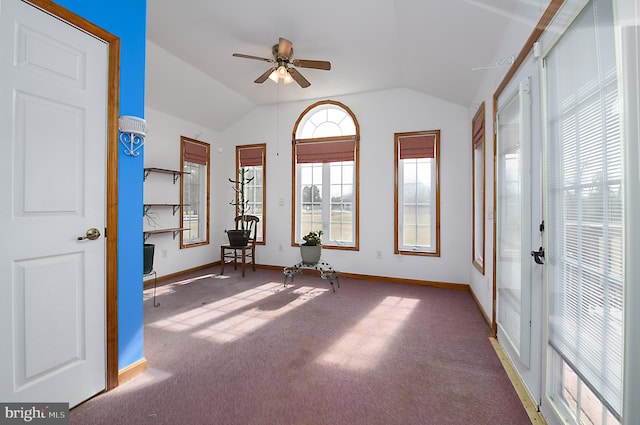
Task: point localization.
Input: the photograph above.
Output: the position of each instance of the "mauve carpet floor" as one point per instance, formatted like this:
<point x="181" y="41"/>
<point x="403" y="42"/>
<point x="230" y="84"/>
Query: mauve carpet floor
<point x="231" y="350"/>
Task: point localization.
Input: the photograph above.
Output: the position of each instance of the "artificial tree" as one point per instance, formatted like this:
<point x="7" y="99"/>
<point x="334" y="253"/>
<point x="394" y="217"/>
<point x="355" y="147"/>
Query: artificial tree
<point x="240" y="237"/>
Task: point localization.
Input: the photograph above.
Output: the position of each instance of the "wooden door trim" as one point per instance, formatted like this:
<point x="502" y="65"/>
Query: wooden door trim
<point x="113" y="96"/>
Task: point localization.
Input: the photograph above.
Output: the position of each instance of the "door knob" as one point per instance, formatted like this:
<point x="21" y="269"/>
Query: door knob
<point x="92" y="234"/>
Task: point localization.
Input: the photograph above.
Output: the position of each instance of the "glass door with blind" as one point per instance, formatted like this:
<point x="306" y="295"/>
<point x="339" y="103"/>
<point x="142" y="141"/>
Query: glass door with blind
<point x="513" y="221"/>
<point x="519" y="225"/>
<point x="585" y="224"/>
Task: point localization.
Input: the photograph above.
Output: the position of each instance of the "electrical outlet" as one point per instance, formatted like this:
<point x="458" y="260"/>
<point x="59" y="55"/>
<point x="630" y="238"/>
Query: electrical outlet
<point x="280" y="247"/>
<point x="164" y="253"/>
<point x="379" y="255"/>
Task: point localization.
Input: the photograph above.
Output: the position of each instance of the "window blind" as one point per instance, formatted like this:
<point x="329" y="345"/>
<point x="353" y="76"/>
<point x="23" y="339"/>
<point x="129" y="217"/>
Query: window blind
<point x="420" y="146"/>
<point x="512" y="227"/>
<point x="478" y="131"/>
<point x="251" y="157"/>
<point x="195" y="152"/>
<point x="323" y="152"/>
<point x="585" y="204"/>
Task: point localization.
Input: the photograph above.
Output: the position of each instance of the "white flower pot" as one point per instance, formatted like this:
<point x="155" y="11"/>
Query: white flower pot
<point x="310" y="254"/>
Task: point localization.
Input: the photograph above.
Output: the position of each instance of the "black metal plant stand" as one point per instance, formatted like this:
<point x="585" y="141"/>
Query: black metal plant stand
<point x="327" y="272"/>
<point x="155" y="285"/>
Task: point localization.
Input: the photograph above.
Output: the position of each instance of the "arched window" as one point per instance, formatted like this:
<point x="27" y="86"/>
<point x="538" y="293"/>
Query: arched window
<point x="325" y="175"/>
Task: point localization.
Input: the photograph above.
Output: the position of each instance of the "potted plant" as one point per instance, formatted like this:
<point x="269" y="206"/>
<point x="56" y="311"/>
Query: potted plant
<point x="311" y="249"/>
<point x="148" y="248"/>
<point x="147" y="265"/>
<point x="240" y="237"/>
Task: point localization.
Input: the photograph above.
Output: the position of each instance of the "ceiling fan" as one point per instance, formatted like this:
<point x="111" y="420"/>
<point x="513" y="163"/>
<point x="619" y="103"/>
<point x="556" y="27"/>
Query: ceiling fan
<point x="282" y="68"/>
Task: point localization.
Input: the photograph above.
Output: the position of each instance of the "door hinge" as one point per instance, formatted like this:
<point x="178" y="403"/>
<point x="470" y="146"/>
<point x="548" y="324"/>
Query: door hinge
<point x="542" y="226"/>
<point x="105" y="232"/>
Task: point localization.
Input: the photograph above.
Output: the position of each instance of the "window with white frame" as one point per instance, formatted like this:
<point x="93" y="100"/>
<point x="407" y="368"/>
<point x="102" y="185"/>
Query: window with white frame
<point x="586" y="223"/>
<point x="417" y="193"/>
<point x="325" y="151"/>
<point x="194" y="194"/>
<point x="253" y="159"/>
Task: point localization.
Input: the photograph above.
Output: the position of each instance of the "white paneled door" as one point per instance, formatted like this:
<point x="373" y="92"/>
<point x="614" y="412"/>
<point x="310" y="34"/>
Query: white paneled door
<point x="53" y="109"/>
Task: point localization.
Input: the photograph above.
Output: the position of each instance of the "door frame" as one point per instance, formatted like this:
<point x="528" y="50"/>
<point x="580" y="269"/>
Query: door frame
<point x="113" y="96"/>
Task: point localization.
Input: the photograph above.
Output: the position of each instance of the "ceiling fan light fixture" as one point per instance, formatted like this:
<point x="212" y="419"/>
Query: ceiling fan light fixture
<point x="281" y="60"/>
<point x="274" y="76"/>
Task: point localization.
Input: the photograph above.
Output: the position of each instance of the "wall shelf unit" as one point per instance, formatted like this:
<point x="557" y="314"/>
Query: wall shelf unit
<point x="175" y="206"/>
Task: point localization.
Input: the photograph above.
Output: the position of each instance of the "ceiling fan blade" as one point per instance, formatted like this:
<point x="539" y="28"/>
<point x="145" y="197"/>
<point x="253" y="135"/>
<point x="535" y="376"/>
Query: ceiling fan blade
<point x="263" y="77"/>
<point x="240" y="55"/>
<point x="284" y="48"/>
<point x="304" y="83"/>
<point x="304" y="63"/>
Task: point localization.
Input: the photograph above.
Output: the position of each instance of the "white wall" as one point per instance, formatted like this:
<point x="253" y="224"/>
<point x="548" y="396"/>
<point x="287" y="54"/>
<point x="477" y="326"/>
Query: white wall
<point x="380" y="115"/>
<point x="189" y="93"/>
<point x="162" y="150"/>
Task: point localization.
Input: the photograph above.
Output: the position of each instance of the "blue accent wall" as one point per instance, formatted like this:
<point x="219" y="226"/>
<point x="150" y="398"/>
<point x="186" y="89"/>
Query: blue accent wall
<point x="126" y="19"/>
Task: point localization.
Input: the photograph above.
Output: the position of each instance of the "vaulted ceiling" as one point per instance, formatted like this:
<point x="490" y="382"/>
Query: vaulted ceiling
<point x="431" y="46"/>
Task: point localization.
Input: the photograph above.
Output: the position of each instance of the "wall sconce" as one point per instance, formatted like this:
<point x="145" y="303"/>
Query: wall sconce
<point x="132" y="133"/>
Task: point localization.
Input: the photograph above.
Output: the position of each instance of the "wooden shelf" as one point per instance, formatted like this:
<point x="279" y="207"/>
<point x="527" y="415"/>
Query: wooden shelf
<point x="176" y="173"/>
<point x="174" y="230"/>
<point x="175" y="207"/>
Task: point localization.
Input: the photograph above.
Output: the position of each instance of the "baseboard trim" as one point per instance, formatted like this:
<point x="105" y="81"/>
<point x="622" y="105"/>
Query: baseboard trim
<point x="132" y="371"/>
<point x="149" y="282"/>
<point x="477" y="301"/>
<point x="418" y="282"/>
<point x="444" y="285"/>
<point x="528" y="404"/>
<point x="357" y="276"/>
